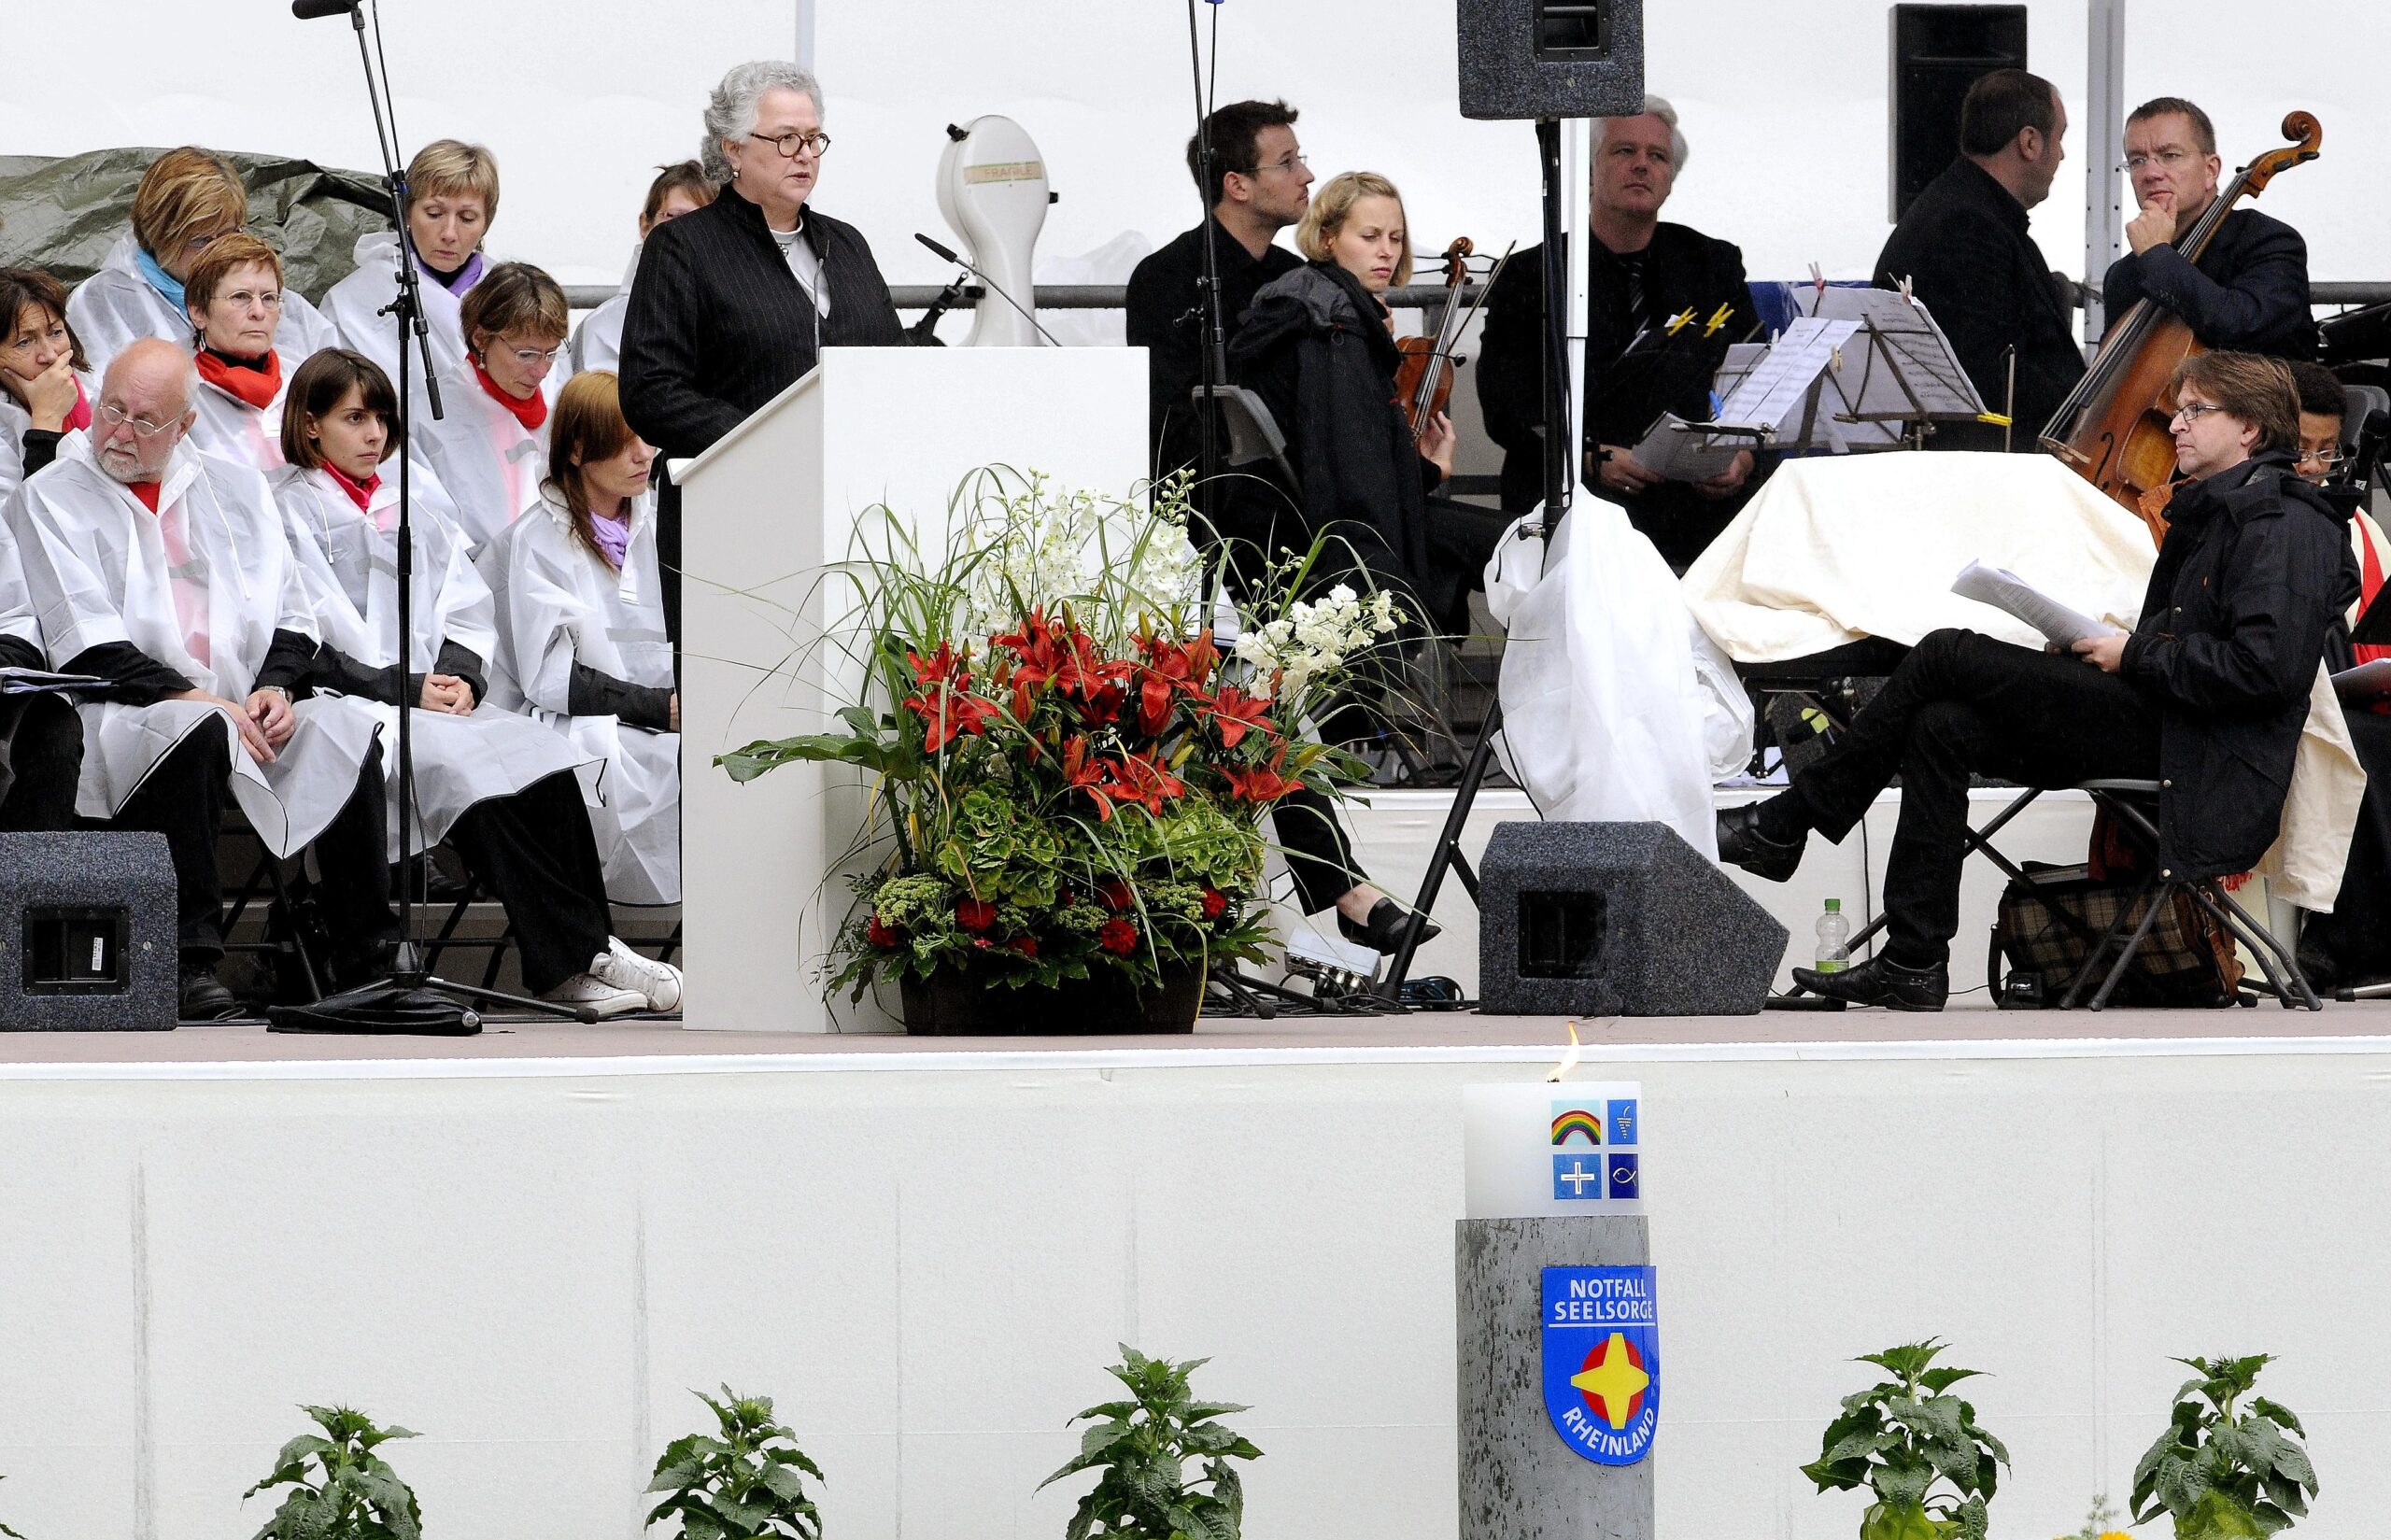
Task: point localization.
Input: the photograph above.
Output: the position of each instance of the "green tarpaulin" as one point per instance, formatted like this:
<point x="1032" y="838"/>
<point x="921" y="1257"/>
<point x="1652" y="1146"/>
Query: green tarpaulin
<point x="63" y="215"/>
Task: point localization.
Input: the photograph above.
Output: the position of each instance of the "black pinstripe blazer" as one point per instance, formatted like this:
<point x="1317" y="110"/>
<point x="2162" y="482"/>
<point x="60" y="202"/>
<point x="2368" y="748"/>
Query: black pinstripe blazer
<point x="718" y="325"/>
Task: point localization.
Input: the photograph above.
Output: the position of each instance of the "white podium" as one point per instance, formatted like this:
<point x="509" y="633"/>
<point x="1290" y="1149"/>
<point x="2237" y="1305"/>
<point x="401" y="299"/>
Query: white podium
<point x="762" y="512"/>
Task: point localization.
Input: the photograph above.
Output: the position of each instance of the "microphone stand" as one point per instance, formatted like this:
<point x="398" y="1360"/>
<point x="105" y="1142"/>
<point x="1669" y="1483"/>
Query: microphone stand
<point x="412" y="1000"/>
<point x="995" y="287"/>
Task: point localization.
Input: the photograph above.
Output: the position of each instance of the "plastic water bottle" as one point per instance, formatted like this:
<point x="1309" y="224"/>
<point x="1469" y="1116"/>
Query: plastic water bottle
<point x="1835" y="938"/>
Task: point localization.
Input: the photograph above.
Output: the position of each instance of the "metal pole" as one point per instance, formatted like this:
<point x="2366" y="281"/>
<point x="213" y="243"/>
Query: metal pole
<point x="2105" y="151"/>
<point x="805" y="33"/>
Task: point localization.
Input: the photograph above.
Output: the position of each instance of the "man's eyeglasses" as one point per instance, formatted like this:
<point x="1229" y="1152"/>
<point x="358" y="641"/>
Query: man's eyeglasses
<point x="790" y="143"/>
<point x="116" y="416"/>
<point x="2171" y="158"/>
<point x="2192" y="411"/>
<point x="2325" y="457"/>
<point x="1288" y="164"/>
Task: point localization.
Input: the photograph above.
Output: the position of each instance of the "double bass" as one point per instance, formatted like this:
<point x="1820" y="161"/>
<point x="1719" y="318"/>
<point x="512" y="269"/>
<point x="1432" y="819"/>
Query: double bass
<point x="2113" y="428"/>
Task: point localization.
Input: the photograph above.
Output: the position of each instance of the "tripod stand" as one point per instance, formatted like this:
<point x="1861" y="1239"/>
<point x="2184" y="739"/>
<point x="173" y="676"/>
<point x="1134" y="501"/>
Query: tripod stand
<point x="412" y="1000"/>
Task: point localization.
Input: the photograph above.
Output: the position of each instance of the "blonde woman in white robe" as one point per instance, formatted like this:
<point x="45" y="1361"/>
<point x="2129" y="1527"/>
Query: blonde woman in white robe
<point x="581" y="633"/>
<point x="187" y="198"/>
<point x="490" y="450"/>
<point x="167" y="572"/>
<point x="452" y="197"/>
<point x="498" y="787"/>
<point x="46" y="384"/>
<point x="678" y="190"/>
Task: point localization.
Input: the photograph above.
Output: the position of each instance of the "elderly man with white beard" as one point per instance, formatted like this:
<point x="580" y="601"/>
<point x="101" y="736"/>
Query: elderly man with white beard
<point x="167" y="572"/>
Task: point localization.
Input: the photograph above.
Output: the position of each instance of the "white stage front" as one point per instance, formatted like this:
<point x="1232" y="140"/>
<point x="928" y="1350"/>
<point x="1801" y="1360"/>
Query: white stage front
<point x="928" y="1257"/>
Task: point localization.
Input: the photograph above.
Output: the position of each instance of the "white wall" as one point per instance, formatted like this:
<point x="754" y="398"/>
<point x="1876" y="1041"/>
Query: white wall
<point x="1784" y="106"/>
<point x="531" y="1264"/>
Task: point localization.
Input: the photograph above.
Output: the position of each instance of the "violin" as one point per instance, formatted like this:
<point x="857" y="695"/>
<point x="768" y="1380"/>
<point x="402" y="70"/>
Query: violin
<point x="1423" y="381"/>
<point x="2113" y="428"/>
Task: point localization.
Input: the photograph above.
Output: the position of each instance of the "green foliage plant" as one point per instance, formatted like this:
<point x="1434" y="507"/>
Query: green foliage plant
<point x="748" y="1484"/>
<point x="2223" y="1473"/>
<point x="1143" y="1446"/>
<point x="1915" y="1447"/>
<point x="341" y="1489"/>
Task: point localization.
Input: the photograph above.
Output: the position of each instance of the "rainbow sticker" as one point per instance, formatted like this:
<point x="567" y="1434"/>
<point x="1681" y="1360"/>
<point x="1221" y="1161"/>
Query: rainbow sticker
<point x="1569" y="1118"/>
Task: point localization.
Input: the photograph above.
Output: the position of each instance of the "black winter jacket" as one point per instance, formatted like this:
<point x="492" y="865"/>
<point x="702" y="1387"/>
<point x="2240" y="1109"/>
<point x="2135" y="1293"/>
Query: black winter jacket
<point x="718" y="325"/>
<point x="1316" y="349"/>
<point x="2253" y="582"/>
<point x="2248" y="292"/>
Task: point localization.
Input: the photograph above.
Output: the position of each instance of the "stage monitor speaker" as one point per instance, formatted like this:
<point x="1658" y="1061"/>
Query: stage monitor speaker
<point x="1552" y="57"/>
<point x="87" y="933"/>
<point x="1938" y="52"/>
<point x="1617" y="920"/>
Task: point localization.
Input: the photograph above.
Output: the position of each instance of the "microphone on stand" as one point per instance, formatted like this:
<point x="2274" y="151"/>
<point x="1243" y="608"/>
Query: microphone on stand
<point x="308" y="10"/>
<point x="951" y="256"/>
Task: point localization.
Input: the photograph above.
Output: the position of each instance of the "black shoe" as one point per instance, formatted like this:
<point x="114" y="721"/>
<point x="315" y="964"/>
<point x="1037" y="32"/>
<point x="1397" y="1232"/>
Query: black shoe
<point x="1383" y="930"/>
<point x="1742" y="844"/>
<point x="1880" y="981"/>
<point x="205" y="998"/>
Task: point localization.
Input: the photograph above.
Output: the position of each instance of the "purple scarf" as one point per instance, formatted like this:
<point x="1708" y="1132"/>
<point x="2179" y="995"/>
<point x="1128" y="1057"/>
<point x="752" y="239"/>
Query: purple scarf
<point x="465" y="278"/>
<point x="613" y="537"/>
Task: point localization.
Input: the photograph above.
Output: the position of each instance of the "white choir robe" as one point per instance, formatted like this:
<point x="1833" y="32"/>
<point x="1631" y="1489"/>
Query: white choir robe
<point x="231" y="428"/>
<point x="559" y="603"/>
<point x="355" y="304"/>
<point x="489" y="463"/>
<point x="597" y="341"/>
<point x="349" y="560"/>
<point x="116" y="307"/>
<point x="97" y="566"/>
<point x="15" y="423"/>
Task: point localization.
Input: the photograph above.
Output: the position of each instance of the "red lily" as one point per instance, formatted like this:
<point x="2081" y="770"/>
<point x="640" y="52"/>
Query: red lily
<point x="950" y="714"/>
<point x="1090" y="775"/>
<point x="1234" y="712"/>
<point x="943" y="666"/>
<point x="1262" y="784"/>
<point x="1144" y="781"/>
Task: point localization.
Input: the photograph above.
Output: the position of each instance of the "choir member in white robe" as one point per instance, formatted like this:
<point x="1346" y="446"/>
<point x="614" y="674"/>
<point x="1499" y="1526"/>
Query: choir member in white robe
<point x="167" y="572"/>
<point x="41" y="737"/>
<point x="490" y="450"/>
<point x="678" y="190"/>
<point x="234" y="295"/>
<point x="498" y="786"/>
<point x="46" y="384"/>
<point x="187" y="199"/>
<point x="452" y="197"/>
<point x="581" y="633"/>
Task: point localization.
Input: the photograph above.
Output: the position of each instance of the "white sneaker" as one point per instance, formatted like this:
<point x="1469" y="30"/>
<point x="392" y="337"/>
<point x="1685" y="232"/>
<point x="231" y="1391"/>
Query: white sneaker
<point x="598" y="995"/>
<point x="657" y="983"/>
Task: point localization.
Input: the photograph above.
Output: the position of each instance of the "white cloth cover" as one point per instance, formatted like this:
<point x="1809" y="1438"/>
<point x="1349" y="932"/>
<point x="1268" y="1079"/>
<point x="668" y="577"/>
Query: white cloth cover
<point x="557" y="602"/>
<point x="489" y="465"/>
<point x="116" y="307"/>
<point x="96" y="569"/>
<point x="231" y="428"/>
<point x="15" y="423"/>
<point x="1835" y="549"/>
<point x="341" y="553"/>
<point x="597" y="341"/>
<point x="1605" y="715"/>
<point x="354" y="304"/>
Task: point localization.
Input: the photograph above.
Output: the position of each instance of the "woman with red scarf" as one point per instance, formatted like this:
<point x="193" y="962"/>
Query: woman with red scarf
<point x="46" y="384"/>
<point x="491" y="447"/>
<point x="234" y="295"/>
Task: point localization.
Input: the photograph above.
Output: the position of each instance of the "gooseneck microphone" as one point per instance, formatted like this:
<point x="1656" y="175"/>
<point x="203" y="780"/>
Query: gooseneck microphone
<point x="946" y="254"/>
<point x="307" y="10"/>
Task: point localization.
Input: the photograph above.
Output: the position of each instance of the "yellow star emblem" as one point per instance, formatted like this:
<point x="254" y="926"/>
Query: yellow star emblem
<point x="1615" y="1381"/>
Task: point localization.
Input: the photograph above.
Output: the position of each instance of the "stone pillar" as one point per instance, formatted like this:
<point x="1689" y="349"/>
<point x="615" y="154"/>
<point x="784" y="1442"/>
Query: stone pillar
<point x="1519" y="1481"/>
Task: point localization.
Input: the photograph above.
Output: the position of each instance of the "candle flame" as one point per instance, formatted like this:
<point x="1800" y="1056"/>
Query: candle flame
<point x="1568" y="1060"/>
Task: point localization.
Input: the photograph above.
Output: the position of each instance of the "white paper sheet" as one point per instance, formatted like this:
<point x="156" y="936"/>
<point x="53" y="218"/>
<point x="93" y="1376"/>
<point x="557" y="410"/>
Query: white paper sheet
<point x="2365" y="682"/>
<point x="2007" y="591"/>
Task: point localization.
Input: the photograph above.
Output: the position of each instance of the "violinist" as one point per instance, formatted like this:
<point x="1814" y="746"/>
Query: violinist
<point x="1643" y="274"/>
<point x="2248" y="290"/>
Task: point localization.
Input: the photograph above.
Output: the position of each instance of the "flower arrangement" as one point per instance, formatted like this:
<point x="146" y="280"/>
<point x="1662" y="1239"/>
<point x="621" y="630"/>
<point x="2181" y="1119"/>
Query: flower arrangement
<point x="1069" y="763"/>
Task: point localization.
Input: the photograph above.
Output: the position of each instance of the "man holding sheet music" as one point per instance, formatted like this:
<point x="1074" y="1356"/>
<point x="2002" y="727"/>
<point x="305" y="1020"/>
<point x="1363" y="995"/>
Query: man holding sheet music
<point x="2207" y="694"/>
<point x="1665" y="301"/>
<point x="1964" y="248"/>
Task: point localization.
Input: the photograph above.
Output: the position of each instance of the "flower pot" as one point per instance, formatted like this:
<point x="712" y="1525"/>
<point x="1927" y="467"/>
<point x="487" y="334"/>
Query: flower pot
<point x="954" y="1003"/>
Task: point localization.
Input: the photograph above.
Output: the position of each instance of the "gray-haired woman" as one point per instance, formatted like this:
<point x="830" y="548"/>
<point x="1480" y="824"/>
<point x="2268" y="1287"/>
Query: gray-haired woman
<point x="734" y="302"/>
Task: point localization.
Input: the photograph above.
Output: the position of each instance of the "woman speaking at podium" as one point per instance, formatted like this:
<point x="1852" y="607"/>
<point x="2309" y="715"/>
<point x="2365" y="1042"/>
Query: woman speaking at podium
<point x="735" y="300"/>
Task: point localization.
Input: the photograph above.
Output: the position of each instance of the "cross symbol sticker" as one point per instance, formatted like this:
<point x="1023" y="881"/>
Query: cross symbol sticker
<point x="1578" y="1176"/>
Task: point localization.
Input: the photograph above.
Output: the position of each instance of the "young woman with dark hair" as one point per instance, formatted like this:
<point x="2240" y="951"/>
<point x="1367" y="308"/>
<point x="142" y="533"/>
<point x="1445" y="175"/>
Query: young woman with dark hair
<point x="46" y="384"/>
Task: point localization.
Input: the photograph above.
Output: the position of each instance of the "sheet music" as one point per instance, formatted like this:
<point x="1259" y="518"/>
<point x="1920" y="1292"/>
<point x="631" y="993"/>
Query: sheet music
<point x="1781" y="380"/>
<point x="1676" y="450"/>
<point x="2365" y="682"/>
<point x="1915" y="358"/>
<point x="2006" y="590"/>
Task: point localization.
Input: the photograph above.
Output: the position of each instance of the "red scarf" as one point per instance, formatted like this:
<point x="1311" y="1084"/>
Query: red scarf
<point x="360" y="492"/>
<point x="255" y="385"/>
<point x="147" y="491"/>
<point x="79" y="420"/>
<point x="530" y="414"/>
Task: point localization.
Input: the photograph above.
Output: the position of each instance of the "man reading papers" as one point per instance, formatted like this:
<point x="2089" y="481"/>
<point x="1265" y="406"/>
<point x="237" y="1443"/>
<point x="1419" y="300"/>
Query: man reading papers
<point x="2208" y="694"/>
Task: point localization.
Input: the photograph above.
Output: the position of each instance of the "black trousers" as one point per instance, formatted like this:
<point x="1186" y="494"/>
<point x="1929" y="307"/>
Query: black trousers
<point x="41" y="760"/>
<point x="1959" y="702"/>
<point x="183" y="799"/>
<point x="534" y="851"/>
<point x="1319" y="856"/>
<point x="2352" y="945"/>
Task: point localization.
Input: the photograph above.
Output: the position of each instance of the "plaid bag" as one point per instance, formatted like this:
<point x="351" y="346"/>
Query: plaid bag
<point x="2050" y="921"/>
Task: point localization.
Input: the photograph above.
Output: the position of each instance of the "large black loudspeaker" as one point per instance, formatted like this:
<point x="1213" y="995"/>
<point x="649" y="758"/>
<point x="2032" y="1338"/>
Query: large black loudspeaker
<point x="1617" y="920"/>
<point x="1552" y="57"/>
<point x="1938" y="52"/>
<point x="87" y="933"/>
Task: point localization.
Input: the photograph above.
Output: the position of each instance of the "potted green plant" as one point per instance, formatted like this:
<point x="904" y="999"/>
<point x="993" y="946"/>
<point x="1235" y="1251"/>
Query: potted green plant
<point x="341" y="1489"/>
<point x="747" y="1484"/>
<point x="1068" y="767"/>
<point x="2225" y="1474"/>
<point x="1918" y="1449"/>
<point x="1143" y="1446"/>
